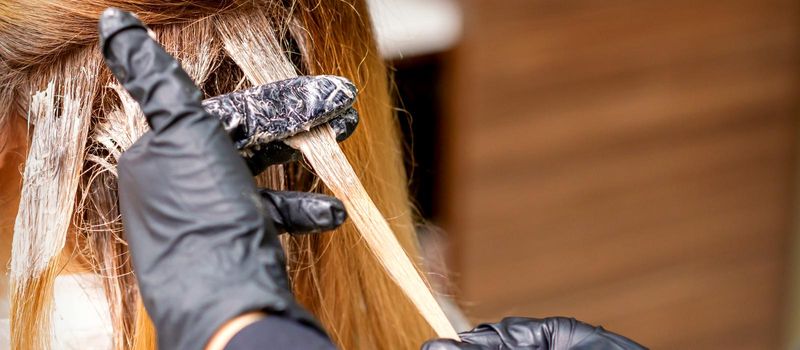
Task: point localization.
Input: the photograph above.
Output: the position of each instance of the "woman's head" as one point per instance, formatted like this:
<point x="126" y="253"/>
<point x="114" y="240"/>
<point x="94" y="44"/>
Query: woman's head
<point x="52" y="44"/>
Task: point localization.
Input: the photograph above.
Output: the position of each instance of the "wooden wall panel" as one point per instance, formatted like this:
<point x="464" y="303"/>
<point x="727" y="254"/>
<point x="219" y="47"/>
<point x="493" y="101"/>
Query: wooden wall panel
<point x="629" y="163"/>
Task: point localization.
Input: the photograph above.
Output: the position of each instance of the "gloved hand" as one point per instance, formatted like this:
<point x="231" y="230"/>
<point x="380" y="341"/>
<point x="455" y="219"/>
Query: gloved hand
<point x="203" y="239"/>
<point x="552" y="333"/>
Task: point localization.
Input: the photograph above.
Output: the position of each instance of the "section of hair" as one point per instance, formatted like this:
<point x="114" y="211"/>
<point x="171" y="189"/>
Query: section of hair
<point x="337" y="39"/>
<point x="61" y="116"/>
<point x="344" y="317"/>
<point x="320" y="149"/>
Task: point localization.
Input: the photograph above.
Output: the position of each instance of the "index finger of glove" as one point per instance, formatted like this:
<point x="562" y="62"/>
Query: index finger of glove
<point x="153" y="78"/>
<point x="266" y="113"/>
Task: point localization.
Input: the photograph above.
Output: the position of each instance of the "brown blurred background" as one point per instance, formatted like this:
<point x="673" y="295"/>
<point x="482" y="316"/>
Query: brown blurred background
<point x="629" y="163"/>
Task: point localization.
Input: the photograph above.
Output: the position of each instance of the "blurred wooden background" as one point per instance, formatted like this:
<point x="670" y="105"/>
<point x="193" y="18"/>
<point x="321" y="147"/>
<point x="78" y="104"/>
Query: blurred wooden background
<point x="626" y="162"/>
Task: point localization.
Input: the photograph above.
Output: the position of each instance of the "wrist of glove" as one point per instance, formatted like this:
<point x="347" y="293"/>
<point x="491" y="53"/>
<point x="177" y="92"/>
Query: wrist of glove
<point x="552" y="333"/>
<point x="202" y="237"/>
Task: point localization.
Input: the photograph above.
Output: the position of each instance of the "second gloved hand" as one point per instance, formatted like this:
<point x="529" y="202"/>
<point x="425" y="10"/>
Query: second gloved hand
<point x="520" y="333"/>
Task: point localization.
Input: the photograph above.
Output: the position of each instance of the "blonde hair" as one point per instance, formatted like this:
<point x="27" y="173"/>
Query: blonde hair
<point x="50" y="46"/>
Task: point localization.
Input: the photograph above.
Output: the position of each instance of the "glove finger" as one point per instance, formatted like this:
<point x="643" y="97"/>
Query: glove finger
<point x="259" y="157"/>
<point x="275" y="111"/>
<point x="450" y="344"/>
<point x="483" y="336"/>
<point x="344" y="124"/>
<point x="303" y="212"/>
<point x="153" y="78"/>
<point x="510" y="332"/>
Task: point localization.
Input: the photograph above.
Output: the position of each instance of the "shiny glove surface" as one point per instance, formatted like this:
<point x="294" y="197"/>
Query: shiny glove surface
<point x="258" y="118"/>
<point x="552" y="333"/>
<point x="203" y="239"/>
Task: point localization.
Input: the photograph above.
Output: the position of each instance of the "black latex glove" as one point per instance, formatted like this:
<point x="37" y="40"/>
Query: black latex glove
<point x="552" y="333"/>
<point x="202" y="237"/>
<point x="295" y="105"/>
<point x="302" y="212"/>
